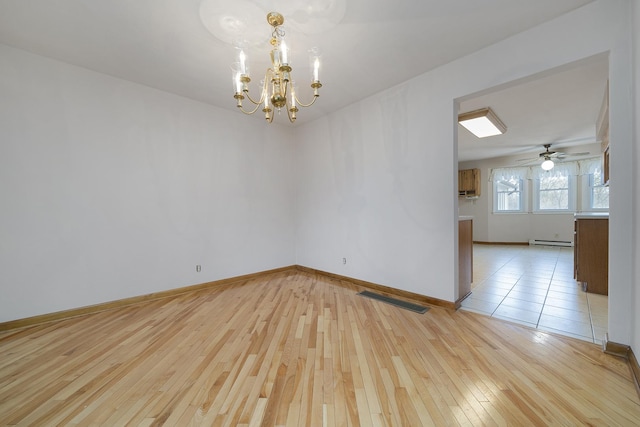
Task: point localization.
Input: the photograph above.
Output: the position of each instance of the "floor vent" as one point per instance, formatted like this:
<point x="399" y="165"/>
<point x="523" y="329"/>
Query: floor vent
<point x="550" y="243"/>
<point x="398" y="303"/>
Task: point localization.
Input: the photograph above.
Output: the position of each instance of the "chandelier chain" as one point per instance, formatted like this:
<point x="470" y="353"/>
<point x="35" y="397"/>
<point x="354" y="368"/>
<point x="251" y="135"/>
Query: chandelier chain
<point x="277" y="33"/>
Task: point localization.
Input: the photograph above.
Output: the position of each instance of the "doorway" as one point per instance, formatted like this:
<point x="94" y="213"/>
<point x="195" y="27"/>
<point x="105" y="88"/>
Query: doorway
<point x="558" y="107"/>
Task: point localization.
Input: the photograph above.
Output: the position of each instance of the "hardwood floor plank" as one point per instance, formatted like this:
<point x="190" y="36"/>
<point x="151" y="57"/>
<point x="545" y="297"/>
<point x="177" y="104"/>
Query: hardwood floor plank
<point x="296" y="348"/>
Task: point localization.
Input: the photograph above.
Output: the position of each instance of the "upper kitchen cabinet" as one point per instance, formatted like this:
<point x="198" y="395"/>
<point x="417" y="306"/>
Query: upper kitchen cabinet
<point x="469" y="183"/>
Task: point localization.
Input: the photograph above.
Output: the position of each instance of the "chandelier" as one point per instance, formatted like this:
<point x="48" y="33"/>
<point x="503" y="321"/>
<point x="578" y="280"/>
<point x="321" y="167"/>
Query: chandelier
<point x="278" y="89"/>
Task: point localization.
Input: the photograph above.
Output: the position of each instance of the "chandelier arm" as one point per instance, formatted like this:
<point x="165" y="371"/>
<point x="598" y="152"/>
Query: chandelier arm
<point x="264" y="91"/>
<point x="247" y="112"/>
<point x="258" y="103"/>
<point x="309" y="104"/>
<point x="268" y="76"/>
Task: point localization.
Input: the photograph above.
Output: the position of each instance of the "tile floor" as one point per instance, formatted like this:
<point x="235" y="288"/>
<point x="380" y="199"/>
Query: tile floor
<point x="534" y="286"/>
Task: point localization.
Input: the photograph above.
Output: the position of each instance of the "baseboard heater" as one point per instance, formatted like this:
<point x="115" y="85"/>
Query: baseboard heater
<point x="550" y="243"/>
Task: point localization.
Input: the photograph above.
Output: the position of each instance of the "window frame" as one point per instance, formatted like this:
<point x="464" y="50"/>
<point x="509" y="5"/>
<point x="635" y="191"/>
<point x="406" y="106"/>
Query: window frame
<point x="520" y="175"/>
<point x="571" y="195"/>
<point x="588" y="198"/>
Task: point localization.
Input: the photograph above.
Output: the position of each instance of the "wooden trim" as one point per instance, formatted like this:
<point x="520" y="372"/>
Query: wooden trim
<point x="626" y="352"/>
<point x="635" y="370"/>
<point x="81" y="311"/>
<point x="502" y="243"/>
<point x="110" y="305"/>
<point x="389" y="291"/>
<point x="614" y="348"/>
<point x="458" y="302"/>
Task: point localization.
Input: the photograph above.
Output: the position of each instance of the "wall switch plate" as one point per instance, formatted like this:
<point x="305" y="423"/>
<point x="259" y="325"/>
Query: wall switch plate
<point x="198" y="268"/>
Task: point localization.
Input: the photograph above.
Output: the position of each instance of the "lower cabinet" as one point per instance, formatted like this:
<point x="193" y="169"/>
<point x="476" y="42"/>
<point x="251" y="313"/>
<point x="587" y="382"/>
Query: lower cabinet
<point x="465" y="255"/>
<point x="591" y="253"/>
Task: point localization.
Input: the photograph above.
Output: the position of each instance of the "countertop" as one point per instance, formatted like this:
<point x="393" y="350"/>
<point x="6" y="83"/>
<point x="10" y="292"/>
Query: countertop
<point x="592" y="215"/>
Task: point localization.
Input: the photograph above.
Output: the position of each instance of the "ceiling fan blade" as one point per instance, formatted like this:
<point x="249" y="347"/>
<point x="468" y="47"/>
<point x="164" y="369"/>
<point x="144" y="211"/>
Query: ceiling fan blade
<point x="568" y="156"/>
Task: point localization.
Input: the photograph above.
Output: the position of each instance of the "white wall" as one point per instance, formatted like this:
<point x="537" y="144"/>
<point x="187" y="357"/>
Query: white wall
<point x="364" y="193"/>
<point x="377" y="180"/>
<point x="110" y="189"/>
<point x="622" y="193"/>
<point x="635" y="281"/>
<point x="505" y="228"/>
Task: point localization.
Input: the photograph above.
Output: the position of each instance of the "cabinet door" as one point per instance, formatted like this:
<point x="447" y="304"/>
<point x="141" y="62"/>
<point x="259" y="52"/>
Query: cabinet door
<point x="461" y="175"/>
<point x="469" y="182"/>
<point x="465" y="254"/>
<point x="465" y="180"/>
<point x="476" y="181"/>
<point x="592" y="254"/>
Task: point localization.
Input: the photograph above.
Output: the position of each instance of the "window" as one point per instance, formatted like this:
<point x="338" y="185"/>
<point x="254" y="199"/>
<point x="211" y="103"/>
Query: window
<point x="509" y="194"/>
<point x="599" y="192"/>
<point x="554" y="190"/>
<point x="564" y="189"/>
<point x="596" y="196"/>
<point x="508" y="190"/>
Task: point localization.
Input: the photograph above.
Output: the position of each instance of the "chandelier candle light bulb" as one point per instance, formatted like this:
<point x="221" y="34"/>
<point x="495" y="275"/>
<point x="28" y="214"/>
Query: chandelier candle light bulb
<point x="243" y="62"/>
<point x="293" y="97"/>
<point x="316" y="67"/>
<point x="284" y="53"/>
<point x="277" y="89"/>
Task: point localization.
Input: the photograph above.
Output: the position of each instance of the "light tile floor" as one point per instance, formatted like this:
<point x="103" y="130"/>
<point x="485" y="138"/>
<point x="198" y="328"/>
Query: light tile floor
<point x="534" y="286"/>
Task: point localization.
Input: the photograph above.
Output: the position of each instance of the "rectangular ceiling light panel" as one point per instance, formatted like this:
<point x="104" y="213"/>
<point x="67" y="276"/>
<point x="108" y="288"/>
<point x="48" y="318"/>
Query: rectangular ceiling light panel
<point x="482" y="123"/>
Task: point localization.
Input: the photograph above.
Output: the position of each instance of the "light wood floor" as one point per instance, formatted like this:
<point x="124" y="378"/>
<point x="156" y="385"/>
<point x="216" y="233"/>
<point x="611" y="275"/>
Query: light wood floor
<point x="301" y="350"/>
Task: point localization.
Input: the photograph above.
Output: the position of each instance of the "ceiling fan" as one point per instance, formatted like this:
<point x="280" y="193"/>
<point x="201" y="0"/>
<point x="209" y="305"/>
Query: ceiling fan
<point x="548" y="156"/>
<point x="548" y="164"/>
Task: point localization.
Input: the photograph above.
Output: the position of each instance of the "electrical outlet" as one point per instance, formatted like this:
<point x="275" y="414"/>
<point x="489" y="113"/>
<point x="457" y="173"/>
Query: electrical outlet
<point x="198" y="268"/>
<point x="344" y="260"/>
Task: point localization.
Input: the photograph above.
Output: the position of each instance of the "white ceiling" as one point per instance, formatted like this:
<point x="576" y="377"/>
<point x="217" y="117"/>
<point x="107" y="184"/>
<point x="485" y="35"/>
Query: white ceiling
<point x="560" y="108"/>
<point x="367" y="46"/>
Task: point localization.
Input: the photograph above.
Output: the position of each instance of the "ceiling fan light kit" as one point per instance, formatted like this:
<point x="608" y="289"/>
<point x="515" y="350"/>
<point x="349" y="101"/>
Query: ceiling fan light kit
<point x="547" y="165"/>
<point x="482" y="123"/>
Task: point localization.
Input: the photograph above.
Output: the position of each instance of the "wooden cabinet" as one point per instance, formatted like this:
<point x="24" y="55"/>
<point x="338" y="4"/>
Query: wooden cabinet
<point x="591" y="253"/>
<point x="465" y="255"/>
<point x="469" y="182"/>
